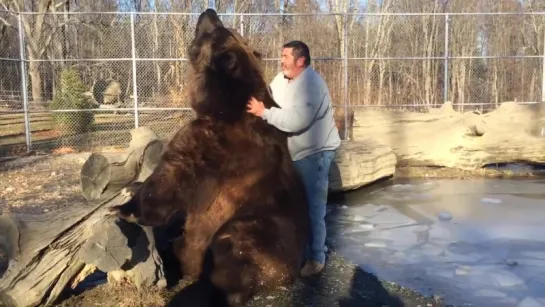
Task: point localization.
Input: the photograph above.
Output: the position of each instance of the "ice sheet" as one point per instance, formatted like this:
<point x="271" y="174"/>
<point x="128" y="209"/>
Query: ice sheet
<point x="478" y="242"/>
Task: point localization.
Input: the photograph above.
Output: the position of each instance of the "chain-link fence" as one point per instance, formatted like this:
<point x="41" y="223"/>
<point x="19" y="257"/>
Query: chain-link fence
<point x="132" y="67"/>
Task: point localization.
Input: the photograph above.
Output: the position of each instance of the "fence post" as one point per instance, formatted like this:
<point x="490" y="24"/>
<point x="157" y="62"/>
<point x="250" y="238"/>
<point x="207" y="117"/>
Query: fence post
<point x="445" y="76"/>
<point x="345" y="75"/>
<point x="134" y="86"/>
<point x="24" y="86"/>
<point x="241" y="25"/>
<point x="543" y="71"/>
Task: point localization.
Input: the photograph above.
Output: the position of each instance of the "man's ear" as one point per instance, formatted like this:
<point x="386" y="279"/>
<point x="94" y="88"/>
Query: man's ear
<point x="301" y="61"/>
<point x="208" y="22"/>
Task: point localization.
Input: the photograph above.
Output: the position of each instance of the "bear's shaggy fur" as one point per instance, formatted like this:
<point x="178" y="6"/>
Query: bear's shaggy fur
<point x="230" y="174"/>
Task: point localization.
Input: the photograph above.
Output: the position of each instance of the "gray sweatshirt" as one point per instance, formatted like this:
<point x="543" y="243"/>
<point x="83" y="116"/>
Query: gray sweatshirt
<point x="305" y="113"/>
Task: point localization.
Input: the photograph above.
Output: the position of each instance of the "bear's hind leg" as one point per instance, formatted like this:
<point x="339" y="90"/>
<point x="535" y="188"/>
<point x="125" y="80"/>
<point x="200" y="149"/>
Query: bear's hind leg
<point x="251" y="253"/>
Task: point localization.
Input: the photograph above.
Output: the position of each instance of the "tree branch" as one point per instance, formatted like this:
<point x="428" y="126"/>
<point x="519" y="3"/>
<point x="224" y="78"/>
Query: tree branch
<point x="56" y="6"/>
<point x="3" y="20"/>
<point x="6" y="23"/>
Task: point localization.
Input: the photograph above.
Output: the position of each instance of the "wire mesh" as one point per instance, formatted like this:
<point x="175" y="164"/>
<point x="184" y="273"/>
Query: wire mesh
<point x="9" y="28"/>
<point x="495" y="58"/>
<point x="396" y="36"/>
<point x="74" y="37"/>
<point x="166" y="123"/>
<point x="162" y="84"/>
<point x="392" y="82"/>
<point x="12" y="123"/>
<point x="163" y="36"/>
<point x="390" y="60"/>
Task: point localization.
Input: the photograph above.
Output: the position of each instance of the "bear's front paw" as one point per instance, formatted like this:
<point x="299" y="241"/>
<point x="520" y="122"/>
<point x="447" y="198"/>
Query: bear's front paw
<point x="126" y="192"/>
<point x="113" y="210"/>
<point x="130" y="190"/>
<point x="118" y="210"/>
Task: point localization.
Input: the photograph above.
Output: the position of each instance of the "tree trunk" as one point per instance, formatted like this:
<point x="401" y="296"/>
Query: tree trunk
<point x="35" y="81"/>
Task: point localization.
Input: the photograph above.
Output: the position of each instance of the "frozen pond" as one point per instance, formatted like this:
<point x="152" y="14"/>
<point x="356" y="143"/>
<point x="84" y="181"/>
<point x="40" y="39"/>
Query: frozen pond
<point x="478" y="242"/>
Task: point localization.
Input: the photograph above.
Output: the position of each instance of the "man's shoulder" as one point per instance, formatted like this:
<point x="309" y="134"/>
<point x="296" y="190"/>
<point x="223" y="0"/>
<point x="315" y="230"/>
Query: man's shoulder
<point x="318" y="76"/>
<point x="314" y="78"/>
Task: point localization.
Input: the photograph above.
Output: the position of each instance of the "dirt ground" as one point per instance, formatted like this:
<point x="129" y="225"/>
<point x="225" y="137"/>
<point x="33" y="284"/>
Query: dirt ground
<point x="42" y="183"/>
<point x="341" y="284"/>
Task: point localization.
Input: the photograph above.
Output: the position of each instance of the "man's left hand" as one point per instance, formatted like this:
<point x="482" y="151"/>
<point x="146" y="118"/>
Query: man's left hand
<point x="255" y="107"/>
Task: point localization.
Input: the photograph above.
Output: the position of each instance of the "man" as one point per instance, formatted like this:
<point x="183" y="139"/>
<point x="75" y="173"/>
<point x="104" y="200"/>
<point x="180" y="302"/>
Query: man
<point x="306" y="114"/>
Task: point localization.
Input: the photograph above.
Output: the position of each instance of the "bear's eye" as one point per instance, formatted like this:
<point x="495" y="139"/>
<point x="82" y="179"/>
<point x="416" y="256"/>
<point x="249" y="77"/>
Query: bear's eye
<point x="258" y="55"/>
<point x="227" y="61"/>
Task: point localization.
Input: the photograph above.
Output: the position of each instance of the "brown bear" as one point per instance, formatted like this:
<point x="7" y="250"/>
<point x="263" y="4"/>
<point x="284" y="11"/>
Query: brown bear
<point x="231" y="176"/>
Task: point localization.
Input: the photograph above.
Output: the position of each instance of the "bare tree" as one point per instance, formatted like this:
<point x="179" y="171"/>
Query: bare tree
<point x="68" y="36"/>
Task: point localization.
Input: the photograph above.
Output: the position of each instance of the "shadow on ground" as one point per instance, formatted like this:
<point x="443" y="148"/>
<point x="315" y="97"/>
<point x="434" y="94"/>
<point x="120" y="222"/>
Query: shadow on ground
<point x="341" y="284"/>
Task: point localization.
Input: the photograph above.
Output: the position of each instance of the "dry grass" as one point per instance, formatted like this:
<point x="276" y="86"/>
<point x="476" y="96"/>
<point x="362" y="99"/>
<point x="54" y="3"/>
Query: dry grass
<point x="117" y="296"/>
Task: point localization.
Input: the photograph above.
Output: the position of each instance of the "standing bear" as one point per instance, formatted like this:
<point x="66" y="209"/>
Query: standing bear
<point x="230" y="175"/>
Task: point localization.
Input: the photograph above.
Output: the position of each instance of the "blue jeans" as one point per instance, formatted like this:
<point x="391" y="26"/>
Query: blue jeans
<point x="314" y="171"/>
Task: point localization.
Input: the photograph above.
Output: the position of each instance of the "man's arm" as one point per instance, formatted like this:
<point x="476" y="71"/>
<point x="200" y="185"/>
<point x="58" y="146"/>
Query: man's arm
<point x="301" y="115"/>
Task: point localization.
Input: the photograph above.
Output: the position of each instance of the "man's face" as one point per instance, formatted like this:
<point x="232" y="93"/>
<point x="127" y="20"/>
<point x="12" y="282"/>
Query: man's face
<point x="291" y="67"/>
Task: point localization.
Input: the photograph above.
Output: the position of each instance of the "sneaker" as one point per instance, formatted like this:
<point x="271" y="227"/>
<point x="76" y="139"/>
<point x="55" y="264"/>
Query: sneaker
<point x="312" y="267"/>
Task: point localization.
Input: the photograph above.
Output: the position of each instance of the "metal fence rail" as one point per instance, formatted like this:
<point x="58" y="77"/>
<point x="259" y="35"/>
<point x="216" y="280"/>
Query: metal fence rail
<point x="401" y="60"/>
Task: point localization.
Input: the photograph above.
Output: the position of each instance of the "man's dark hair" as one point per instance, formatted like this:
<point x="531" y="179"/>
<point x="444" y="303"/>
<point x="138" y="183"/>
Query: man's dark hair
<point x="299" y="49"/>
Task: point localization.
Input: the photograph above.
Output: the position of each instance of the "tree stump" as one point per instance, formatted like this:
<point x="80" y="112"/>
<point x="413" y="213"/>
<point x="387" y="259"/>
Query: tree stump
<point x="43" y="255"/>
<point x="467" y="141"/>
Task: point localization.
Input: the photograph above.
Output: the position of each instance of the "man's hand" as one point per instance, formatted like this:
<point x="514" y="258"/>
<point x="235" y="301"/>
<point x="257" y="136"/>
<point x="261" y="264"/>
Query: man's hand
<point x="255" y="107"/>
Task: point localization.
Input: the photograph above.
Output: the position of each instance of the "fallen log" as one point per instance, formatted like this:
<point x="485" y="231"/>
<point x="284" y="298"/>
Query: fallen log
<point x="361" y="162"/>
<point x="114" y="170"/>
<point x="44" y="255"/>
<point x="59" y="249"/>
<point x="356" y="164"/>
<point x="467" y="141"/>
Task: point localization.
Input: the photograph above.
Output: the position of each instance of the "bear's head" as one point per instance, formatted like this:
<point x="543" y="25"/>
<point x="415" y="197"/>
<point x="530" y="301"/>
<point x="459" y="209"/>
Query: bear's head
<point x="225" y="71"/>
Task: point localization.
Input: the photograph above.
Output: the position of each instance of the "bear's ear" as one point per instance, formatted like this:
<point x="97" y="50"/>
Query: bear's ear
<point x="208" y="22"/>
